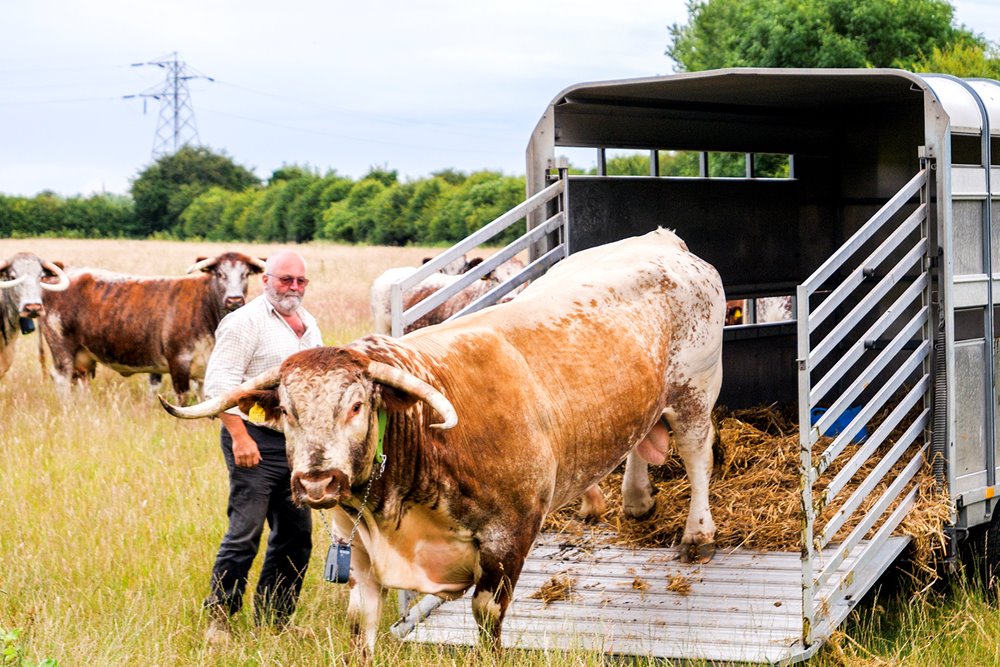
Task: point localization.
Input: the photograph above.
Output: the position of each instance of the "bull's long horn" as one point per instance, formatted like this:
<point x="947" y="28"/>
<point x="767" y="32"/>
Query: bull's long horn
<point x="59" y="273"/>
<point x="14" y="282"/>
<point x="214" y="406"/>
<point x="411" y="384"/>
<point x="198" y="266"/>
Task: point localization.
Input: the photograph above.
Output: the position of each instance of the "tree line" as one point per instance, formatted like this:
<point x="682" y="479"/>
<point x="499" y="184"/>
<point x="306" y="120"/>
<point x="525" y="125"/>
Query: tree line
<point x="196" y="193"/>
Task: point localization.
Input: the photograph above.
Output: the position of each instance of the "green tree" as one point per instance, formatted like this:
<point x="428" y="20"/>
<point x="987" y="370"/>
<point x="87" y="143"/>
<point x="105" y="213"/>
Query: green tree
<point x="306" y="211"/>
<point x="97" y="216"/>
<point x="352" y="219"/>
<point x="229" y="228"/>
<point x="425" y="205"/>
<point x="814" y="33"/>
<point x="40" y="215"/>
<point x="450" y="176"/>
<point x="964" y="59"/>
<point x="391" y="225"/>
<point x="165" y="188"/>
<point x="483" y="197"/>
<point x="276" y="220"/>
<point x="204" y="214"/>
<point x="383" y="175"/>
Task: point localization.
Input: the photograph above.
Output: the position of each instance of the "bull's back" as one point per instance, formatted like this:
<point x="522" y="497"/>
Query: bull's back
<point x="577" y="367"/>
<point x="124" y="320"/>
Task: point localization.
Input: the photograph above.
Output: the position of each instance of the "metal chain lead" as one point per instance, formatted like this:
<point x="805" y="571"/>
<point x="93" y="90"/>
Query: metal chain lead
<point x="364" y="501"/>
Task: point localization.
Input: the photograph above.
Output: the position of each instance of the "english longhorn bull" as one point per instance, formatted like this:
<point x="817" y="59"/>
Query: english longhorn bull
<point x="23" y="278"/>
<point x="138" y="324"/>
<point x="498" y="418"/>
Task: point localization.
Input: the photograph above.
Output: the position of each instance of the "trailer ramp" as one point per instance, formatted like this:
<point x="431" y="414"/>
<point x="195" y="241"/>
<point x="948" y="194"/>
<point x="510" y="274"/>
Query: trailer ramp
<point x="743" y="606"/>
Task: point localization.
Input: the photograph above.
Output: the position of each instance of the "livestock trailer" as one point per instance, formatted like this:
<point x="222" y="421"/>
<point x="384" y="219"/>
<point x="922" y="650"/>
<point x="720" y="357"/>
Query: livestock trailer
<point x="867" y="198"/>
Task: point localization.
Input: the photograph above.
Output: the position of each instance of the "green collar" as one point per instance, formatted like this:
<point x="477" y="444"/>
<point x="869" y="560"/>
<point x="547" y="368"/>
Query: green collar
<point x="383" y="416"/>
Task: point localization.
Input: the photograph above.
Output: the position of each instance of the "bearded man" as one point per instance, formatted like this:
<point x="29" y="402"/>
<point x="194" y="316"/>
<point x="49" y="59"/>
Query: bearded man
<point x="250" y="340"/>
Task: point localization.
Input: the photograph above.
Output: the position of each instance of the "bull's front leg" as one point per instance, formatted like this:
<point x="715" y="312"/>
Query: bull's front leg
<point x="364" y="606"/>
<point x="501" y="558"/>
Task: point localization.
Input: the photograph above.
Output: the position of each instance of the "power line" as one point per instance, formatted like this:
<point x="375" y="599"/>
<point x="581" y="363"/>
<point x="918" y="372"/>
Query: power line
<point x="176" y="127"/>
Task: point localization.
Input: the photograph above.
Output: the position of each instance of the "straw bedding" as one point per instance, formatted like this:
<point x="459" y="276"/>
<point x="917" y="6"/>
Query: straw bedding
<point x="755" y="492"/>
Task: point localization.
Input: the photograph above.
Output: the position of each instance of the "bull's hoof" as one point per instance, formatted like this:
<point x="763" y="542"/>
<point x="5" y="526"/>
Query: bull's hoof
<point x="697" y="553"/>
<point x="640" y="514"/>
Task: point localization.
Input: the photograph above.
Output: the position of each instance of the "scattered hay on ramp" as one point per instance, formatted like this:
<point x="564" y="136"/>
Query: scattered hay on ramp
<point x="755" y="492"/>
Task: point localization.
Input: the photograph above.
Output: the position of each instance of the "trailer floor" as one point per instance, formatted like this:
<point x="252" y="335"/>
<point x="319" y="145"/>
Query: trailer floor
<point x="744" y="606"/>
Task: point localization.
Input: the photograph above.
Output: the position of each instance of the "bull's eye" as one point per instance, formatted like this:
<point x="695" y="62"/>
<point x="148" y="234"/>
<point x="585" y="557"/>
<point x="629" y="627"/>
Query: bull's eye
<point x="356" y="408"/>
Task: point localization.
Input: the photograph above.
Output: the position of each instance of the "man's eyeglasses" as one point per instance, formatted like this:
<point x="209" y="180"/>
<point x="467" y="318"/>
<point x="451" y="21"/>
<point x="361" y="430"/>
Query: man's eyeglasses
<point x="288" y="281"/>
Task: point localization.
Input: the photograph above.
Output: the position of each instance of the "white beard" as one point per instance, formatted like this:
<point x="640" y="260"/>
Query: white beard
<point x="286" y="304"/>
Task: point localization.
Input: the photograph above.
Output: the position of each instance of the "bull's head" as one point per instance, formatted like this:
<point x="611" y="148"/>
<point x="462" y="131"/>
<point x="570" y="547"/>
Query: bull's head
<point x="229" y="273"/>
<point x="326" y="401"/>
<point x="28" y="275"/>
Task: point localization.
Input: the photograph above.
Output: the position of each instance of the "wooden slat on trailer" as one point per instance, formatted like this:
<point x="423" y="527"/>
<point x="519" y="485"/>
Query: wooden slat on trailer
<point x="743" y="606"/>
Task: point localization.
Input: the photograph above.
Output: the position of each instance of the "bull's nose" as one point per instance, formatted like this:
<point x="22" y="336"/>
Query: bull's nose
<point x="234" y="302"/>
<point x="32" y="310"/>
<point x="315" y="489"/>
<point x="320" y="488"/>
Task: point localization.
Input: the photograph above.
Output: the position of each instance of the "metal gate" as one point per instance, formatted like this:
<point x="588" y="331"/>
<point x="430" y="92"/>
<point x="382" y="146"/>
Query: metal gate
<point x="551" y="202"/>
<point x="864" y="344"/>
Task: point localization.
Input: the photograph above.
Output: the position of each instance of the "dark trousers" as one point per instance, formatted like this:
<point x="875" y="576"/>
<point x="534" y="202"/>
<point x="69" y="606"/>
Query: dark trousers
<point x="256" y="495"/>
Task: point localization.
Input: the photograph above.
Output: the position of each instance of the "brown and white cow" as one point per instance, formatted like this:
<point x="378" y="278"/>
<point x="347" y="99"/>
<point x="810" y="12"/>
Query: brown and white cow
<point x="23" y="277"/>
<point x="382" y="285"/>
<point x="496" y="419"/>
<point x="139" y="324"/>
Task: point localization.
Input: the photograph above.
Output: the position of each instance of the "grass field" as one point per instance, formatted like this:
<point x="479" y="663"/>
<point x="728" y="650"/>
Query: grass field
<point x="111" y="512"/>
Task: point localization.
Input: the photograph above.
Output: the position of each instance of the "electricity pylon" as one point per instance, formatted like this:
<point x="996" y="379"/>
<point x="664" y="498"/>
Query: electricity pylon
<point x="176" y="127"/>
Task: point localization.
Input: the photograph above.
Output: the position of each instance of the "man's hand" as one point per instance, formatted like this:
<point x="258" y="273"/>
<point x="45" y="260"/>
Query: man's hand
<point x="245" y="451"/>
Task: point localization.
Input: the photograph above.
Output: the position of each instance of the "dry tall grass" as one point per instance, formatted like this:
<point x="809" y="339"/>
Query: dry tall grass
<point x="111" y="512"/>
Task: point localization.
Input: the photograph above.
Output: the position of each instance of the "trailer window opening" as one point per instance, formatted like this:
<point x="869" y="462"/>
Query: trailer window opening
<point x="966" y="149"/>
<point x="681" y="164"/>
<point x="762" y="310"/>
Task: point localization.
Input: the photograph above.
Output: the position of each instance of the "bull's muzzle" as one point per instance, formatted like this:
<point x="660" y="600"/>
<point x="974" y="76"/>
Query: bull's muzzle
<point x="234" y="302"/>
<point x="32" y="310"/>
<point x="320" y="489"/>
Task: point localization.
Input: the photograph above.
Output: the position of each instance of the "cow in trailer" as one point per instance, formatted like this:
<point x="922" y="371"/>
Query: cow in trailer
<point x="139" y="324"/>
<point x="382" y="285"/>
<point x="496" y="419"/>
<point x="23" y="278"/>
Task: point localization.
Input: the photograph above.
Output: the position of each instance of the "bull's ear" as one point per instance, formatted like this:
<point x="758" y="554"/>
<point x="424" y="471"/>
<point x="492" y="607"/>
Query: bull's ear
<point x="261" y="405"/>
<point x="257" y="269"/>
<point x="395" y="400"/>
<point x="474" y="262"/>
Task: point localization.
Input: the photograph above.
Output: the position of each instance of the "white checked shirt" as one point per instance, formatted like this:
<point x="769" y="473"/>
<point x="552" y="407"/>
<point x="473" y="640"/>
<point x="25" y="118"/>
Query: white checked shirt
<point x="251" y="340"/>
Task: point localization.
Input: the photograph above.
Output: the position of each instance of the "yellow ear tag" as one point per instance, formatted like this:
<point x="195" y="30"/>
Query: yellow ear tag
<point x="257" y="415"/>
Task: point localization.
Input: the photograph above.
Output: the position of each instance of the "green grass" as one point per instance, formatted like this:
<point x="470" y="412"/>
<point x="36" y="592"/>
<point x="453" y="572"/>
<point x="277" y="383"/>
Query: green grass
<point x="111" y="512"/>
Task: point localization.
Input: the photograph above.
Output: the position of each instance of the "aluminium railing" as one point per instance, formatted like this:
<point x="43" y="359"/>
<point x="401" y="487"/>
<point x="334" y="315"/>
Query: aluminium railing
<point x="869" y="303"/>
<point x="556" y="192"/>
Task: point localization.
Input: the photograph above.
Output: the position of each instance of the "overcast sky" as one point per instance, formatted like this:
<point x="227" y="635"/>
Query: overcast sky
<point x="412" y="86"/>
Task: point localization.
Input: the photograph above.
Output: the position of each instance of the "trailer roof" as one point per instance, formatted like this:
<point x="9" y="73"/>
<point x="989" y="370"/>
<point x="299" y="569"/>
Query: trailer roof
<point x="750" y="109"/>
